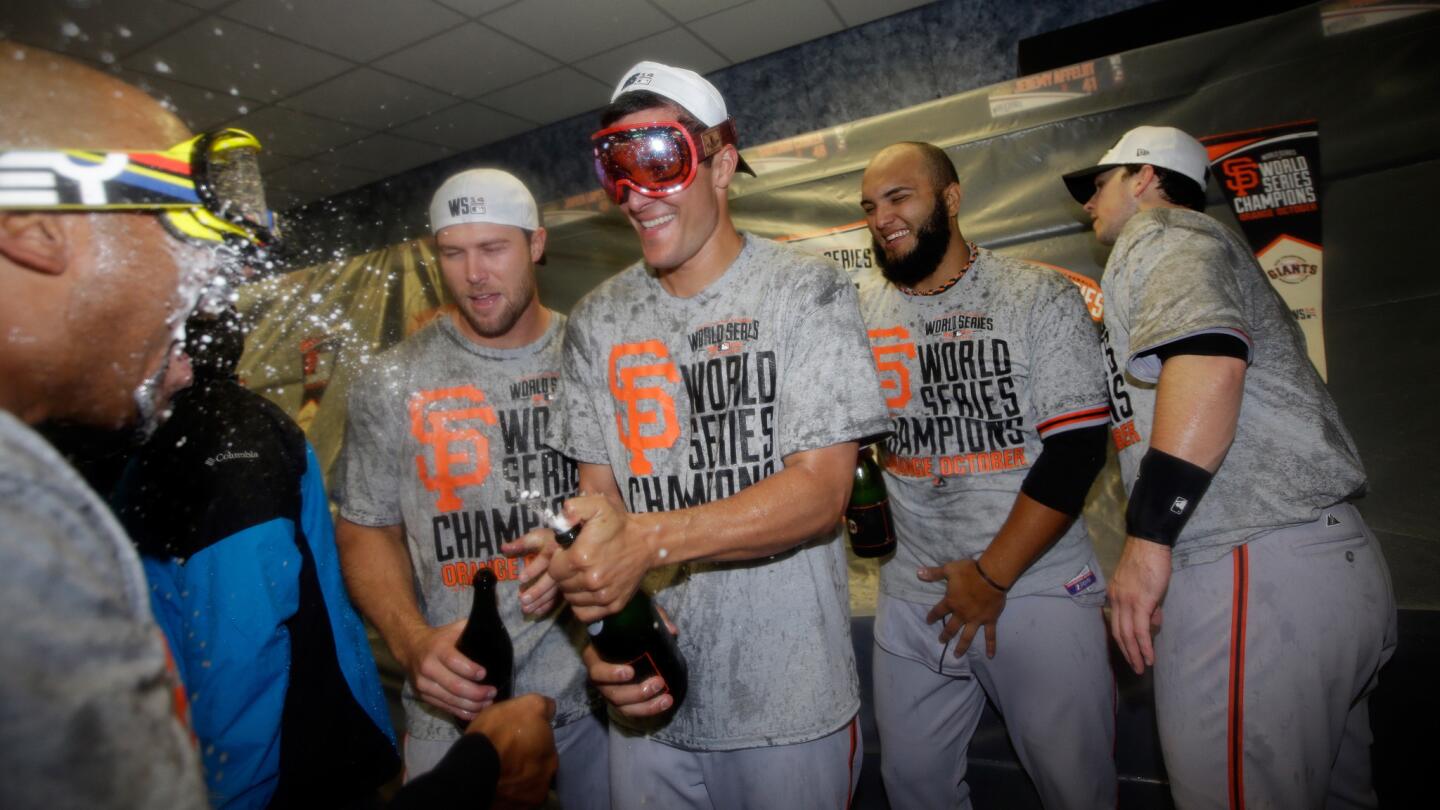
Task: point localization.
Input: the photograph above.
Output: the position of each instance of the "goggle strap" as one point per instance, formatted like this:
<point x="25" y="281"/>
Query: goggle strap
<point x="715" y="138"/>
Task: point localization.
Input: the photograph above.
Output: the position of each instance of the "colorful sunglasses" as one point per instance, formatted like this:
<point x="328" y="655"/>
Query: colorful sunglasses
<point x="655" y="159"/>
<point x="206" y="190"/>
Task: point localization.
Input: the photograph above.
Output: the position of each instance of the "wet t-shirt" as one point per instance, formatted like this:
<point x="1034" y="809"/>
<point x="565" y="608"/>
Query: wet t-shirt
<point x="690" y="400"/>
<point x="975" y="378"/>
<point x="1177" y="273"/>
<point x="442" y="436"/>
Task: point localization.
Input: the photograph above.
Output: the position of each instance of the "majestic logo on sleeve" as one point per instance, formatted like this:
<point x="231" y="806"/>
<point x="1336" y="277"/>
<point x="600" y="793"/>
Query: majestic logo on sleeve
<point x="443" y="421"/>
<point x="628" y="386"/>
<point x="894" y="373"/>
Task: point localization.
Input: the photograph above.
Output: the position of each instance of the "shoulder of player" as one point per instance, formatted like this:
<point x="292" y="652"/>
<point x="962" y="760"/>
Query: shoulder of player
<point x="800" y="281"/>
<point x="1025" y="278"/>
<point x="1166" y="229"/>
<point x="613" y="292"/>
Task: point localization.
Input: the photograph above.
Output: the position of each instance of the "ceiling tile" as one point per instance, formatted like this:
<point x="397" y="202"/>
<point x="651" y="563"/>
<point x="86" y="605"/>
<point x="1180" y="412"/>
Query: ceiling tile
<point x="857" y="12"/>
<point x="313" y="176"/>
<point x="387" y="154"/>
<point x="209" y="5"/>
<point x="287" y="132"/>
<point x="220" y="54"/>
<point x="474" y="8"/>
<point x="369" y="98"/>
<point x="464" y="126"/>
<point x="551" y="97"/>
<point x="102" y="31"/>
<point x="761" y="27"/>
<point x="355" y="29"/>
<point x="674" y="47"/>
<point x="467" y="61"/>
<point x="687" y="10"/>
<point x="568" y="30"/>
<point x="199" y="108"/>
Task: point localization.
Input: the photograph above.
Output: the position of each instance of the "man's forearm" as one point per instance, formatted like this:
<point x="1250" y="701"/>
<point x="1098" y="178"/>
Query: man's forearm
<point x="1029" y="530"/>
<point x="376" y="566"/>
<point x="790" y="507"/>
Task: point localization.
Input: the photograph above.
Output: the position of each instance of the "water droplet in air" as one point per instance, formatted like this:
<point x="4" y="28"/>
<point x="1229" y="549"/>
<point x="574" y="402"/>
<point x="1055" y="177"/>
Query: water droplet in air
<point x="161" y="67"/>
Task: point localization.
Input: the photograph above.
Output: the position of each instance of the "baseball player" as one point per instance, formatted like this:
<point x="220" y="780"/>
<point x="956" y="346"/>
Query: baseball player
<point x="1277" y="606"/>
<point x="991" y="370"/>
<point x="442" y="437"/>
<point x="713" y="395"/>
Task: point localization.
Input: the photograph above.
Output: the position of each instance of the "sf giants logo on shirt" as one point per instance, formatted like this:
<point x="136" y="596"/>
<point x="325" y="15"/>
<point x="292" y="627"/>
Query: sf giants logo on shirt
<point x="628" y="386"/>
<point x="443" y="421"/>
<point x="896" y="388"/>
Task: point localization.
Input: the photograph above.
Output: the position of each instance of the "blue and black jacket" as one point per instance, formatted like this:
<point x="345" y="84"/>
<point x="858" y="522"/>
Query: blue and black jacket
<point x="228" y="509"/>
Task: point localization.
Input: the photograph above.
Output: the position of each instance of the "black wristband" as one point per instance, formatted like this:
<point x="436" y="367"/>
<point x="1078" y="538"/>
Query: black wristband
<point x="992" y="583"/>
<point x="1164" y="497"/>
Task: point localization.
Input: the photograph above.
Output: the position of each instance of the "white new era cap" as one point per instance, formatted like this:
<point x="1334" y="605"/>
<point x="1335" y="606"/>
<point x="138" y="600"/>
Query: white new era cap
<point x="483" y="195"/>
<point x="684" y="87"/>
<point x="1166" y="147"/>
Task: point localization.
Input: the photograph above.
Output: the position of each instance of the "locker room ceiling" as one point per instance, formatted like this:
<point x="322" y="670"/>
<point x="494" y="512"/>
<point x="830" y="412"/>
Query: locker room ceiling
<point x="347" y="92"/>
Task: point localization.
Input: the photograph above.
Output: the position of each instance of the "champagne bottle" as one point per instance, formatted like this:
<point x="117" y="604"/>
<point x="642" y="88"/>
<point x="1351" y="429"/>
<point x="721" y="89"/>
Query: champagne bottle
<point x="636" y="635"/>
<point x="485" y="639"/>
<point x="872" y="534"/>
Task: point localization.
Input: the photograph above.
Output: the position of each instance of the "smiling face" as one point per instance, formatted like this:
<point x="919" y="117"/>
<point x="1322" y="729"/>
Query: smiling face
<point x="1112" y="205"/>
<point x="675" y="228"/>
<point x="489" y="270"/>
<point x="911" y="221"/>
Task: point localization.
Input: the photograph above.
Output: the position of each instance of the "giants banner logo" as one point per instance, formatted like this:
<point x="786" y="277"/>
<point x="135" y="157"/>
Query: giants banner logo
<point x="897" y="387"/>
<point x="631" y="419"/>
<point x="441" y="420"/>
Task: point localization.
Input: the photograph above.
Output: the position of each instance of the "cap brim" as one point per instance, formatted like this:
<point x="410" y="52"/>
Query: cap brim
<point x="742" y="166"/>
<point x="1081" y="184"/>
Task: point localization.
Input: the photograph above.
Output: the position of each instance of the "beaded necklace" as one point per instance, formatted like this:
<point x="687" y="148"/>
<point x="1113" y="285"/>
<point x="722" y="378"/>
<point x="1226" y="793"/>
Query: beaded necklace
<point x="974" y="254"/>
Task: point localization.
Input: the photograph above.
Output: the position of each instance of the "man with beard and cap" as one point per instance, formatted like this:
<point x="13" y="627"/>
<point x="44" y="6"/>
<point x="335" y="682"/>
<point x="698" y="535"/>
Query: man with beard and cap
<point x="94" y="238"/>
<point x="991" y="370"/>
<point x="228" y="510"/>
<point x="1276" y="599"/>
<point x="713" y="394"/>
<point x="442" y="437"/>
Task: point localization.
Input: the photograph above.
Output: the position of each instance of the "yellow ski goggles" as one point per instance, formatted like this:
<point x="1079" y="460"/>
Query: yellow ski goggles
<point x="206" y="190"/>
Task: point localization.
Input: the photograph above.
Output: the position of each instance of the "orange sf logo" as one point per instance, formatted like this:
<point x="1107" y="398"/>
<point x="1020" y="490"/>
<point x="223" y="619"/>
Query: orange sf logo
<point x="1241" y="175"/>
<point x="897" y="389"/>
<point x="437" y="429"/>
<point x="630" y="421"/>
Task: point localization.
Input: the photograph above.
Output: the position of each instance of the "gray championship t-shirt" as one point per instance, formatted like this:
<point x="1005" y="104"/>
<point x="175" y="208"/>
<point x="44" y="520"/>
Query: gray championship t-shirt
<point x="87" y="710"/>
<point x="975" y="378"/>
<point x="442" y="436"/>
<point x="690" y="400"/>
<point x="1175" y="273"/>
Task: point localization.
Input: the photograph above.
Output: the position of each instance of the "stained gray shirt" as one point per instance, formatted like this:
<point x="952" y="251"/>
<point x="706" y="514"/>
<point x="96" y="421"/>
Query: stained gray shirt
<point x="87" y="713"/>
<point x="690" y="400"/>
<point x="975" y="378"/>
<point x="1175" y="273"/>
<point x="442" y="436"/>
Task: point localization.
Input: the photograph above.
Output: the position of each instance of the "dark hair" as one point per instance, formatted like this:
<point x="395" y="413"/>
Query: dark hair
<point x="215" y="343"/>
<point x="637" y="100"/>
<point x="942" y="170"/>
<point x="1175" y="187"/>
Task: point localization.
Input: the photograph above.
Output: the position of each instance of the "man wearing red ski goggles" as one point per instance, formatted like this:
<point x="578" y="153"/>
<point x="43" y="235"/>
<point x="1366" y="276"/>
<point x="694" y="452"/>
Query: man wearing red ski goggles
<point x="656" y="158"/>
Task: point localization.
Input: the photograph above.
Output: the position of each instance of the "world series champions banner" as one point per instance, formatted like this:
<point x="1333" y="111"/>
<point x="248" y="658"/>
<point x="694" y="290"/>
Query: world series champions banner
<point x="1271" y="178"/>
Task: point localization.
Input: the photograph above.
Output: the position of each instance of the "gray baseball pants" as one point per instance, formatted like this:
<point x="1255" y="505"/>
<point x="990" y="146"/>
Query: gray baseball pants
<point x="1050" y="680"/>
<point x="1264" y="666"/>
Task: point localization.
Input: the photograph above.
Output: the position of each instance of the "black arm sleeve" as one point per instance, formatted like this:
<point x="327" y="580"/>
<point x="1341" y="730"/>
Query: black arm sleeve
<point x="1211" y="345"/>
<point x="1062" y="475"/>
<point x="470" y="769"/>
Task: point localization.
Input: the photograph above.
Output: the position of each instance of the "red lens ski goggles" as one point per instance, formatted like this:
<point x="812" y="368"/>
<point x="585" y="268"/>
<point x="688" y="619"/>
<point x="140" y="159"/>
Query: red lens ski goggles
<point x="656" y="158"/>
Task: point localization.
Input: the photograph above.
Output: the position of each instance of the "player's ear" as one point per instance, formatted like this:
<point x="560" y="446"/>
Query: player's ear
<point x="953" y="195"/>
<point x="537" y="245"/>
<point x="33" y="240"/>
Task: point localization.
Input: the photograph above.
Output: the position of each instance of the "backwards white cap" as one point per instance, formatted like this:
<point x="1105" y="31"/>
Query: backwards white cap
<point x="1166" y="147"/>
<point x="483" y="195"/>
<point x="684" y="87"/>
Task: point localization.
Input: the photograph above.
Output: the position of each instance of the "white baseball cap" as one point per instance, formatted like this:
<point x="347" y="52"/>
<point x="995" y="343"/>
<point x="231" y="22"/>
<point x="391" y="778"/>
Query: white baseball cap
<point x="483" y="195"/>
<point x="1165" y="147"/>
<point x="684" y="87"/>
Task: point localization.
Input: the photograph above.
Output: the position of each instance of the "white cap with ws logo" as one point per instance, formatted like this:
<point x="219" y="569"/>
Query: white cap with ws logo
<point x="1165" y="147"/>
<point x="483" y="195"/>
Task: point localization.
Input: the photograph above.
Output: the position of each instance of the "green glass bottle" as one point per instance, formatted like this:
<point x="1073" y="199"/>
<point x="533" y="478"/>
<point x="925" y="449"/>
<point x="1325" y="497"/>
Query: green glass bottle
<point x="872" y="534"/>
<point x="485" y="639"/>
<point x="636" y="635"/>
